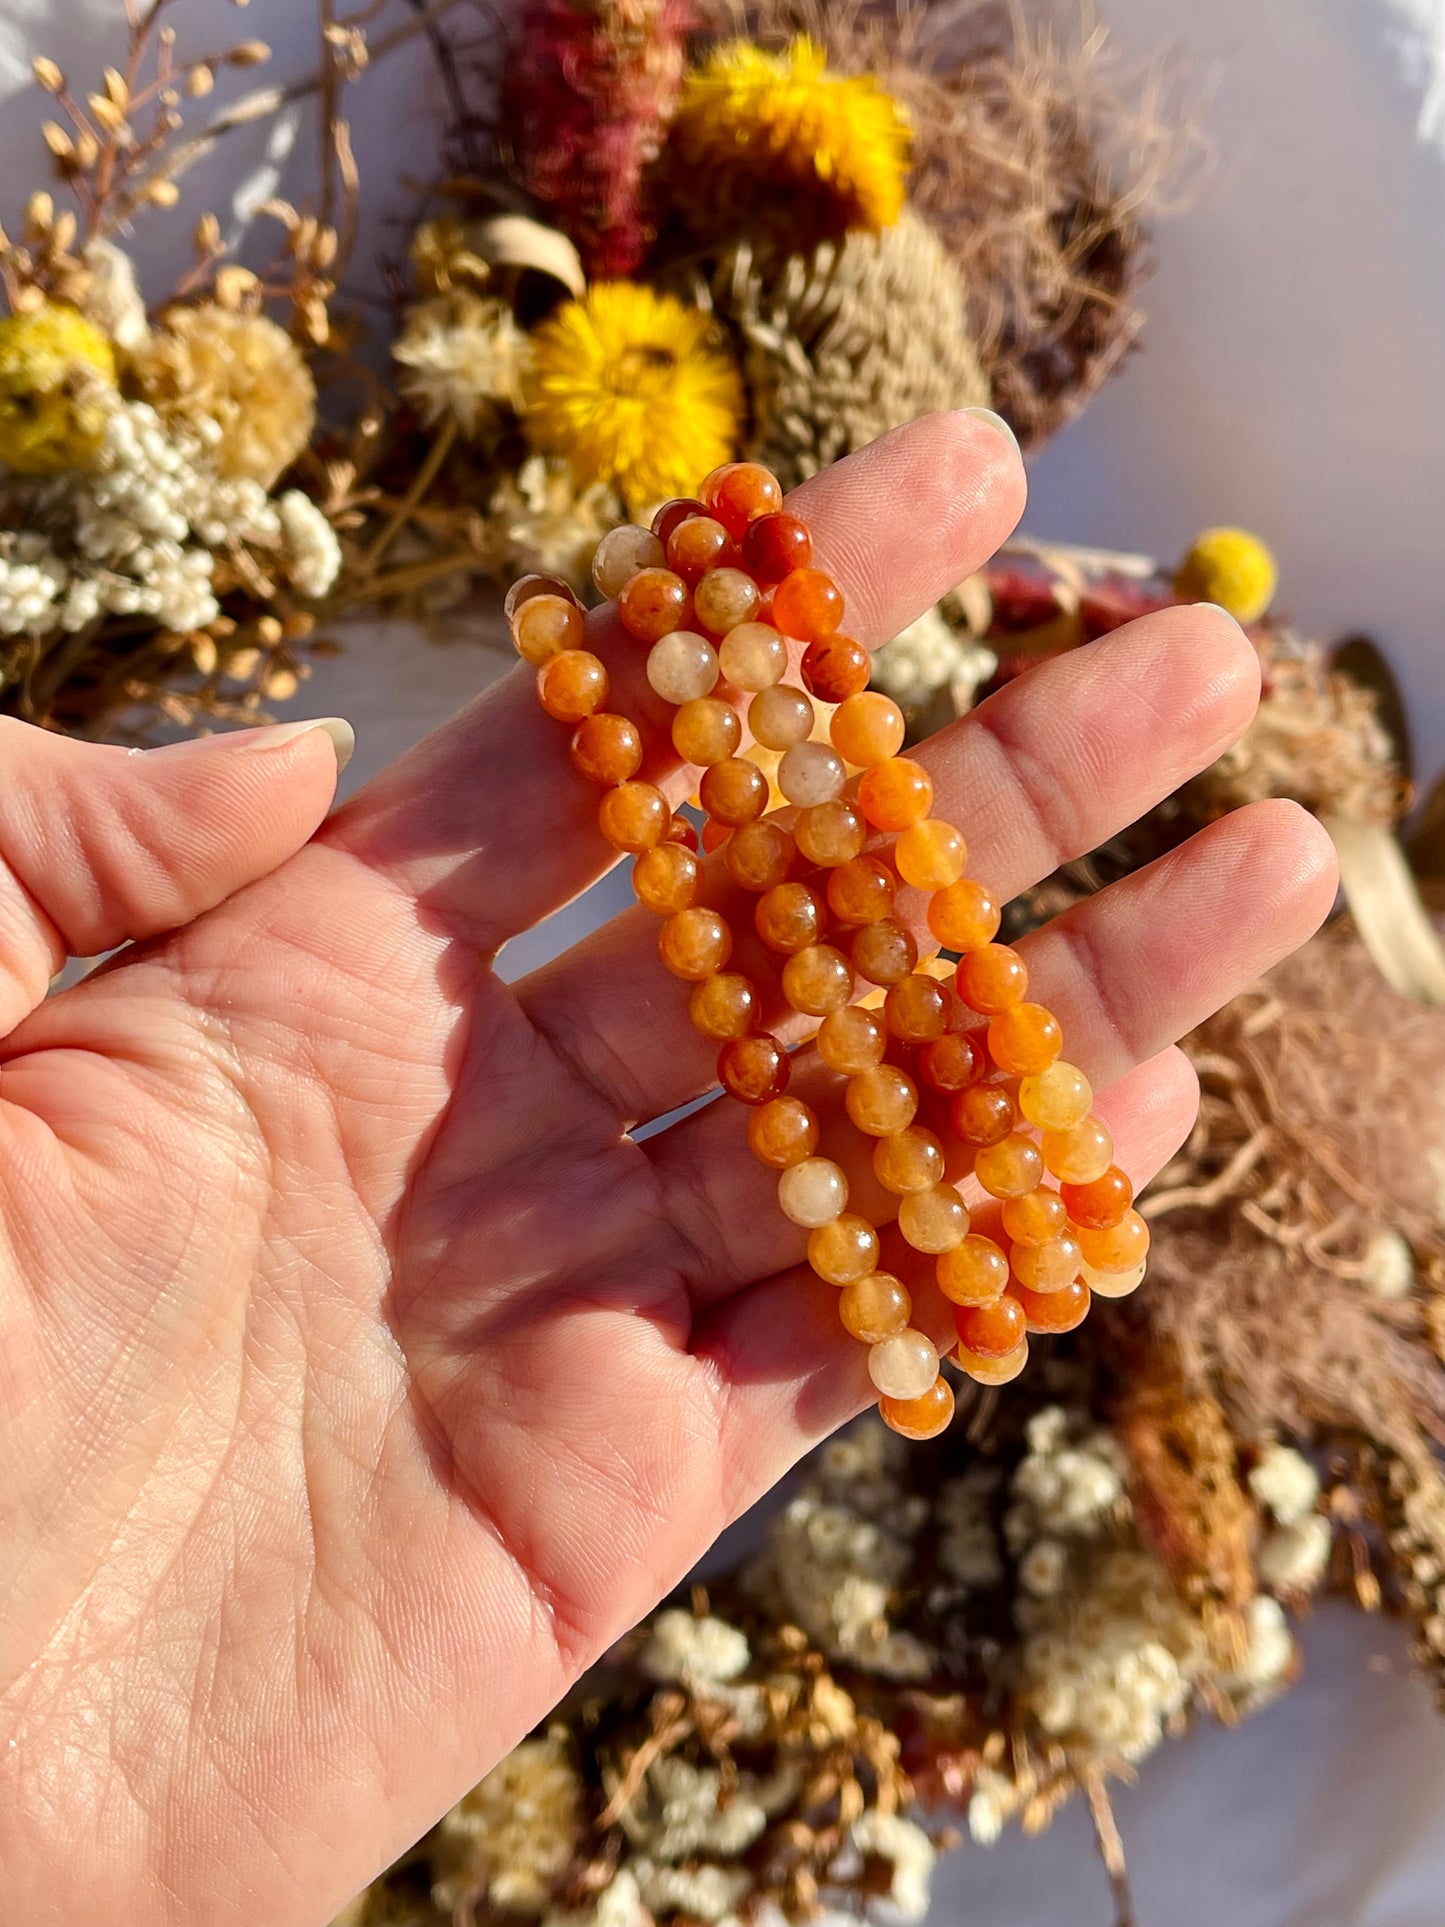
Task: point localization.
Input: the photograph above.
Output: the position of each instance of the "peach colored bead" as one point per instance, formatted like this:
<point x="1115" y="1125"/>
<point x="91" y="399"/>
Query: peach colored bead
<point x="1025" y="1040"/>
<point x="695" y="943"/>
<point x="884" y="953"/>
<point x="790" y="917"/>
<point x="759" y="855"/>
<point x="930" y="855"/>
<point x="867" y="729"/>
<point x="544" y="626"/>
<point x="633" y="817"/>
<point x="910" y="1160"/>
<point x="654" y="602"/>
<point x="916" y="1010"/>
<point x="724" y="598"/>
<point x="974" y="1272"/>
<point x="992" y="979"/>
<point x="812" y="1192"/>
<point x="964" y="916"/>
<point x="1114" y="1284"/>
<point x="875" y="1307"/>
<point x="1101" y="1203"/>
<point x="807" y="604"/>
<point x="934" y="1221"/>
<point x="734" y="791"/>
<point x="843" y="1251"/>
<point x="861" y="891"/>
<point x="830" y="834"/>
<point x="1120" y="1248"/>
<point x="682" y="666"/>
<point x="952" y="1062"/>
<point x="1047" y="1267"/>
<point x="698" y="544"/>
<point x="667" y="879"/>
<point x="780" y="717"/>
<point x="994" y="1371"/>
<point x="607" y="748"/>
<point x="811" y="773"/>
<point x="851" y="1040"/>
<point x="1056" y="1099"/>
<point x="1055" y="1311"/>
<point x="753" y="656"/>
<point x="920" y="1418"/>
<point x="738" y="493"/>
<point x="1035" y="1218"/>
<point x="622" y="554"/>
<point x="894" y="794"/>
<point x="817" y="979"/>
<point x="754" y="1069"/>
<point x="1081" y="1155"/>
<point x="882" y="1100"/>
<point x="706" y="731"/>
<point x="1009" y="1168"/>
<point x="723" y="1006"/>
<point x="834" y="668"/>
<point x="572" y="685"/>
<point x="783" y="1132"/>
<point x="982" y="1114"/>
<point x="904" y="1366"/>
<point x="990" y="1331"/>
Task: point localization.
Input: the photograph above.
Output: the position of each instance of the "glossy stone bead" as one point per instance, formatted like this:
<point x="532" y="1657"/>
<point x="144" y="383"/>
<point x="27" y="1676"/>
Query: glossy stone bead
<point x="991" y="1331"/>
<point x="881" y="1100"/>
<point x="861" y="891"/>
<point x="714" y="836"/>
<point x="934" y="1221"/>
<point x="1120" y="1248"/>
<point x="808" y="604"/>
<point x="776" y="544"/>
<point x="830" y="834"/>
<point x="875" y="1307"/>
<point x="1054" y="1311"/>
<point x="974" y="1272"/>
<point x="1025" y="1040"/>
<point x="992" y="979"/>
<point x="920" y="1418"/>
<point x="780" y="717"/>
<point x="851" y="1040"/>
<point x="739" y="492"/>
<point x="759" y="855"/>
<point x="724" y="1006"/>
<point x="994" y="1371"/>
<point x="673" y="512"/>
<point x="810" y="774"/>
<point x="904" y="1366"/>
<point x="1100" y="1204"/>
<point x="1081" y="1155"/>
<point x="607" y="748"/>
<point x="930" y="855"/>
<point x="867" y="728"/>
<point x="706" y="731"/>
<point x="982" y="1114"/>
<point x="910" y="1160"/>
<point x="697" y="544"/>
<point x="724" y="598"/>
<point x="782" y="1132"/>
<point x="667" y="879"/>
<point x="884" y="953"/>
<point x="1047" y="1267"/>
<point x="753" y="1069"/>
<point x="834" y="667"/>
<point x="734" y="791"/>
<point x="817" y="980"/>
<point x="1010" y="1167"/>
<point x="896" y="793"/>
<point x="1037" y="1217"/>
<point x="572" y="685"/>
<point x="682" y="666"/>
<point x="680" y="830"/>
<point x="1056" y="1099"/>
<point x="527" y="586"/>
<point x="633" y="817"/>
<point x="964" y="916"/>
<point x="654" y="603"/>
<point x="844" y="1250"/>
<point x="753" y="656"/>
<point x="952" y="1062"/>
<point x="544" y="626"/>
<point x="1114" y="1284"/>
<point x="812" y="1192"/>
<point x="695" y="943"/>
<point x="916" y="1010"/>
<point x="790" y="917"/>
<point x="621" y="554"/>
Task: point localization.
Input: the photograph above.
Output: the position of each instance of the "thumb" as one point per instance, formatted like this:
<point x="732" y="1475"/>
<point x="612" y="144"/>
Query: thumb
<point x="100" y="846"/>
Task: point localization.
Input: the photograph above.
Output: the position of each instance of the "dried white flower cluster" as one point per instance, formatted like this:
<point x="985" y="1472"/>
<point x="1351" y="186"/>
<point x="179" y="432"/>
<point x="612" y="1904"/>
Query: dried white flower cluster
<point x="550" y="526"/>
<point x="687" y="1822"/>
<point x="465" y="360"/>
<point x="512" y="1836"/>
<point x="693" y="1647"/>
<point x="928" y="656"/>
<point x="909" y="1852"/>
<point x="969" y="1550"/>
<point x="1294" y="1553"/>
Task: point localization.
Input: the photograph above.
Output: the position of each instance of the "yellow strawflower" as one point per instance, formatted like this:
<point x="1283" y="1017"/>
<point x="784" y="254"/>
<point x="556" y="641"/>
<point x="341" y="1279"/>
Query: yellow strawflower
<point x="631" y="387"/>
<point x="50" y="418"/>
<point x="1230" y="567"/>
<point x="775" y="138"/>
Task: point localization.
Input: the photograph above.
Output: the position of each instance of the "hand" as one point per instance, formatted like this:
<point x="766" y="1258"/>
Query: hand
<point x="362" y="1378"/>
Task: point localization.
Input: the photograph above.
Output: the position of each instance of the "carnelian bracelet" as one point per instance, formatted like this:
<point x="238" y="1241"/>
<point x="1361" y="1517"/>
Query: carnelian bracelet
<point x="722" y="593"/>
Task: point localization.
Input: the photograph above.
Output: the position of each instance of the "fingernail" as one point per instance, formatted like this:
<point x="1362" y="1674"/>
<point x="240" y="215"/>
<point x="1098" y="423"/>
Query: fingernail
<point x="995" y="421"/>
<point x="342" y="736"/>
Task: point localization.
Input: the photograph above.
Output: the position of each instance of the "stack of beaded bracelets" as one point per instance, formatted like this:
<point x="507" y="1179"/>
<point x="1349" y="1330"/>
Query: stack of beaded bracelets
<point x="715" y="591"/>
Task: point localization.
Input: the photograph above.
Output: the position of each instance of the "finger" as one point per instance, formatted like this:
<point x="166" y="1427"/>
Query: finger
<point x="1126" y="972"/>
<point x="99" y="845"/>
<point x="1047" y="769"/>
<point x="899" y="525"/>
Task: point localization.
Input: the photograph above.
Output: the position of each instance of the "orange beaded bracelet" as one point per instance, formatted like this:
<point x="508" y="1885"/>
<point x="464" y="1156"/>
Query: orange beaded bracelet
<point x="722" y="593"/>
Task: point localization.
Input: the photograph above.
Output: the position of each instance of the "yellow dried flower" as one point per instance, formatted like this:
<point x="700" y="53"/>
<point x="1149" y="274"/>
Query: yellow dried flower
<point x="775" y="138"/>
<point x="633" y="388"/>
<point x="50" y="358"/>
<point x="1230" y="567"/>
<point x="464" y="355"/>
<point x="210" y="368"/>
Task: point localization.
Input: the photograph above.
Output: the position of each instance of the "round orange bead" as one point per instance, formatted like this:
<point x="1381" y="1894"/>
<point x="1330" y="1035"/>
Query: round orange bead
<point x="903" y="1366"/>
<point x="723" y="1006"/>
<point x="807" y="604"/>
<point x="544" y="626"/>
<point x="812" y="1191"/>
<point x="916" y="1010"/>
<point x="1009" y="1168"/>
<point x="833" y="668"/>
<point x="1055" y="1311"/>
<point x="994" y="1371"/>
<point x="875" y="1307"/>
<point x="695" y="943"/>
<point x="621" y="553"/>
<point x="776" y="544"/>
<point x="896" y="793"/>
<point x="724" y="599"/>
<point x="1057" y="1099"/>
<point x="706" y="731"/>
<point x="861" y="891"/>
<point x="1047" y="1267"/>
<point x="1035" y="1218"/>
<point x="782" y="1132"/>
<point x="527" y="586"/>
<point x="982" y="1114"/>
<point x="974" y="1272"/>
<point x="867" y="728"/>
<point x="572" y="685"/>
<point x="714" y="836"/>
<point x="754" y="1069"/>
<point x="844" y="1250"/>
<point x="740" y="492"/>
<point x="680" y="830"/>
<point x="790" y="917"/>
<point x="1081" y="1155"/>
<point x="607" y="748"/>
<point x="653" y="603"/>
<point x="780" y="716"/>
<point x="991" y="1331"/>
<point x="884" y="953"/>
<point x="1099" y="1206"/>
<point x="832" y="833"/>
<point x="881" y="1100"/>
<point x="964" y="916"/>
<point x="910" y="1160"/>
<point x="1025" y="1040"/>
<point x="992" y="979"/>
<point x="663" y="523"/>
<point x="1120" y="1248"/>
<point x="698" y="544"/>
<point x="734" y="791"/>
<point x="920" y="1418"/>
<point x="759" y="855"/>
<point x="1114" y="1284"/>
<point x="952" y="1062"/>
<point x="934" y="1221"/>
<point x="633" y="817"/>
<point x="851" y="1040"/>
<point x="817" y="980"/>
<point x="667" y="879"/>
<point x="930" y="855"/>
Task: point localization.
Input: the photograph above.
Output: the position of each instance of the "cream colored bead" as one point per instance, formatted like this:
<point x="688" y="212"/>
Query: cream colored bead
<point x="905" y="1366"/>
<point x="813" y="1192"/>
<point x="682" y="667"/>
<point x="753" y="656"/>
<point x="935" y="1220"/>
<point x="1080" y="1155"/>
<point x="780" y="716"/>
<point x="620" y="554"/>
<point x="811" y="773"/>
<point x="1114" y="1284"/>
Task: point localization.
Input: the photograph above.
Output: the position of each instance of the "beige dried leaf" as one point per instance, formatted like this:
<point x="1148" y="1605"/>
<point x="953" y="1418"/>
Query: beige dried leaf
<point x="116" y="88"/>
<point x="208" y="235"/>
<point x="62" y="234"/>
<point x="250" y="53"/>
<point x="58" y="141"/>
<point x="106" y="114"/>
<point x="163" y="194"/>
<point x="39" y="216"/>
<point x="87" y="152"/>
<point x="199" y="81"/>
<point x="48" y="74"/>
<point x="233" y="284"/>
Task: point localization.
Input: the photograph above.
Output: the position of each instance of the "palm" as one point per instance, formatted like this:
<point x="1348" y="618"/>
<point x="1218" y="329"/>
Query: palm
<point x="404" y="1379"/>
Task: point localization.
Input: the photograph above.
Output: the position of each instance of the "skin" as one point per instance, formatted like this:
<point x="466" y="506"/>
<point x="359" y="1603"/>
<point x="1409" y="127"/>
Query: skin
<point x="361" y="1378"/>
